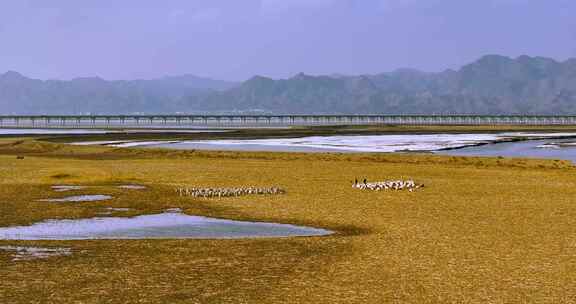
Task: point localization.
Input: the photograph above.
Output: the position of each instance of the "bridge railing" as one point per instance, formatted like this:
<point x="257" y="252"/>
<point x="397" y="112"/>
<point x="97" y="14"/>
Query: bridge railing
<point x="184" y="121"/>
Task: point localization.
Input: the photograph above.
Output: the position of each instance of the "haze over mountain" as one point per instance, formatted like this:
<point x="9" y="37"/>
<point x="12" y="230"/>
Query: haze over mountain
<point x="22" y="95"/>
<point x="491" y="85"/>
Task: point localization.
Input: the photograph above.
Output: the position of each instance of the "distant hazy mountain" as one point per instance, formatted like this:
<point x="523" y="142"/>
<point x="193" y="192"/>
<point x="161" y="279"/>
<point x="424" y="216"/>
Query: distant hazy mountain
<point x="300" y="94"/>
<point x="492" y="85"/>
<point x="22" y="95"/>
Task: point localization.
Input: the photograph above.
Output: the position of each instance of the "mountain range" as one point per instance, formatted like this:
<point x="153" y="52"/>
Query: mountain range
<point x="22" y="95"/>
<point x="493" y="84"/>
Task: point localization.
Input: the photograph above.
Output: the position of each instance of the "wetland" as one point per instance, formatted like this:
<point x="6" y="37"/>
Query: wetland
<point x="508" y="241"/>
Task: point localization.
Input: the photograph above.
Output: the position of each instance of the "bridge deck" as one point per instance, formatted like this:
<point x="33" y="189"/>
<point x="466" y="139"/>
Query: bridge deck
<point x="176" y="121"/>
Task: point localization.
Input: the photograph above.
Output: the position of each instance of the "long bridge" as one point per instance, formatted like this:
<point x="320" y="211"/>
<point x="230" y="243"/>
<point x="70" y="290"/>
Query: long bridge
<point x="191" y="121"/>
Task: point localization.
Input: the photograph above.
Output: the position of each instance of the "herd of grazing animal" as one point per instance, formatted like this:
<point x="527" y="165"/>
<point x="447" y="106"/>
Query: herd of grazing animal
<point x="395" y="185"/>
<point x="227" y="192"/>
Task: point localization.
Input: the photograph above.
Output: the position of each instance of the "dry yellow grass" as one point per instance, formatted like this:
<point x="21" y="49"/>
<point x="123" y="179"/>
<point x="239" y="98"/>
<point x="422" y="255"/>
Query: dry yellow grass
<point x="483" y="230"/>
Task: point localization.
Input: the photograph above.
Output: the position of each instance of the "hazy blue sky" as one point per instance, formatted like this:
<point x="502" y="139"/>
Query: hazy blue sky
<point x="235" y="39"/>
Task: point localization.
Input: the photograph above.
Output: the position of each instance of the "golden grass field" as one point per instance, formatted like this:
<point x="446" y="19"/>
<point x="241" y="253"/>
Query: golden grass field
<point x="484" y="230"/>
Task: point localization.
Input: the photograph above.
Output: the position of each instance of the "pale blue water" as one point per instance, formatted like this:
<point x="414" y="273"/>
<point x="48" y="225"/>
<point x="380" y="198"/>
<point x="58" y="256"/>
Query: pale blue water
<point x="338" y="143"/>
<point x="356" y="143"/>
<point x="79" y="198"/>
<point x="157" y="226"/>
<point x="525" y="149"/>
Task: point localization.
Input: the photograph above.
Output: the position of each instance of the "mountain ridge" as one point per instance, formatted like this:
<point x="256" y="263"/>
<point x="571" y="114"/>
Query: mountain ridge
<point x="493" y="84"/>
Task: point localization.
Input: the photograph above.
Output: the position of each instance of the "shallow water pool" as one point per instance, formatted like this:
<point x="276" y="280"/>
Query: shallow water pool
<point x="168" y="225"/>
<point x="79" y="198"/>
<point x="64" y="188"/>
<point x="25" y="253"/>
<point x="132" y="187"/>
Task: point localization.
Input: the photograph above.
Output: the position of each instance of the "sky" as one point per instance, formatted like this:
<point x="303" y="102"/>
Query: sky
<point x="237" y="39"/>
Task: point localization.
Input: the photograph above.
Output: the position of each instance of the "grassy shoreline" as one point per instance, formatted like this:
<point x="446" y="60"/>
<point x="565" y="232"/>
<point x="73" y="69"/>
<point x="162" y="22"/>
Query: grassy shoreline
<point x="483" y="230"/>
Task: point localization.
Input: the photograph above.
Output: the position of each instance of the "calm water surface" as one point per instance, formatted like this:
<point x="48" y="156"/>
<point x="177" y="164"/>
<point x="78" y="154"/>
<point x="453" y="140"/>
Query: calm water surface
<point x="79" y="198"/>
<point x="526" y="149"/>
<point x="466" y="144"/>
<point x="169" y="225"/>
<point x="339" y="143"/>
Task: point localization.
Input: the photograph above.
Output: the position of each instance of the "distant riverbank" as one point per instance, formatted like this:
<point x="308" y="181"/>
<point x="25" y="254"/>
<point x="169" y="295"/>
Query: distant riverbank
<point x="463" y="140"/>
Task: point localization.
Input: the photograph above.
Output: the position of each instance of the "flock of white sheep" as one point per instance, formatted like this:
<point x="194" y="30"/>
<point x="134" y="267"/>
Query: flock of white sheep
<point x="227" y="192"/>
<point x="397" y="185"/>
<point x="393" y="185"/>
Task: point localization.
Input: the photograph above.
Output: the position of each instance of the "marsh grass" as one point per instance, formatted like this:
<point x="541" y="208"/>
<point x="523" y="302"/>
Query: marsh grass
<point x="484" y="230"/>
